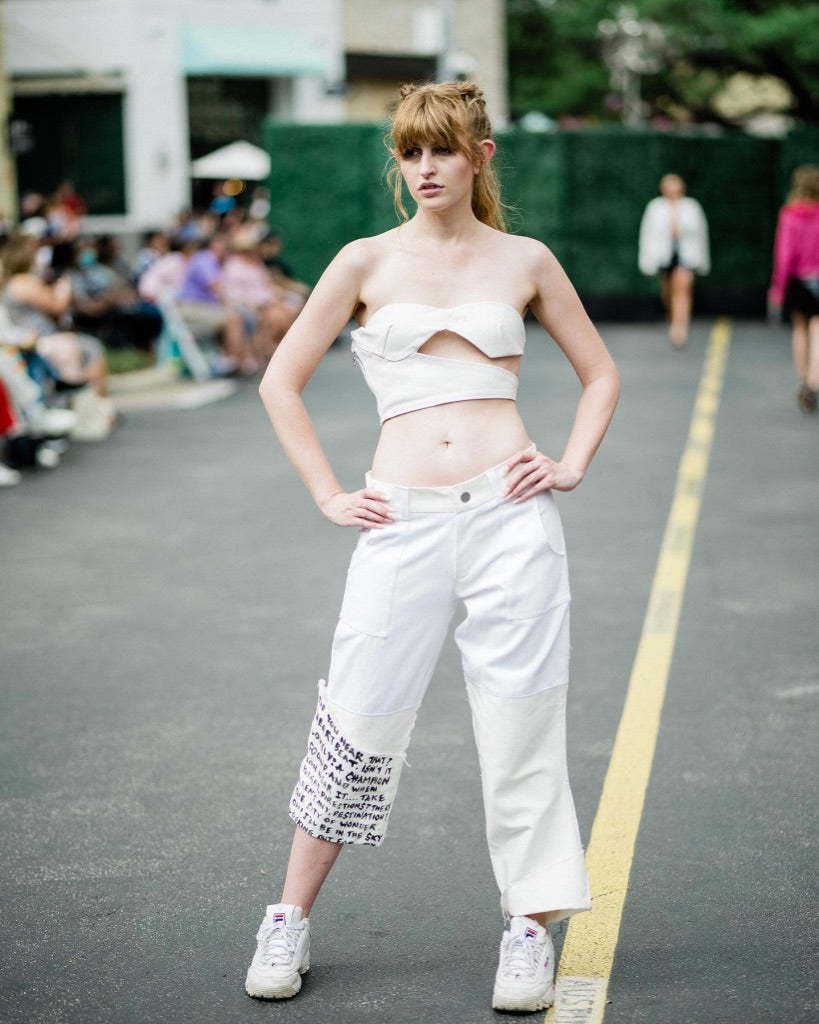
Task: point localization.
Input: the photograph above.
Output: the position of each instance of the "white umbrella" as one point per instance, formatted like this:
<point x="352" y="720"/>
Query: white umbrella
<point x="238" y="160"/>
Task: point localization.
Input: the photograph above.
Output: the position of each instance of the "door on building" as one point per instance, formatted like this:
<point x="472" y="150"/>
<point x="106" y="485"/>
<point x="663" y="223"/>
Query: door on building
<point x="224" y="110"/>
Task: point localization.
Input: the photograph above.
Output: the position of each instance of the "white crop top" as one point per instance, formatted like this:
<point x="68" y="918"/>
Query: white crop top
<point x="405" y="380"/>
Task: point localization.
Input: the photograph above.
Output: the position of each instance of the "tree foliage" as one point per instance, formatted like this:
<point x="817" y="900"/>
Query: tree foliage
<point x="556" y="60"/>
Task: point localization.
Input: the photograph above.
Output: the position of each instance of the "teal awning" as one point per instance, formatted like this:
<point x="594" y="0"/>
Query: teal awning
<point x="240" y="50"/>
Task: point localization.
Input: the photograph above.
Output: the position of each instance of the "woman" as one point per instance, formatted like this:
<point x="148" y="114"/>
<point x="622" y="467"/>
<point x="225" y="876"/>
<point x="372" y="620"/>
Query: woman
<point x="674" y="244"/>
<point x="249" y="288"/>
<point x="40" y="306"/>
<point x="795" y="282"/>
<point x="455" y="479"/>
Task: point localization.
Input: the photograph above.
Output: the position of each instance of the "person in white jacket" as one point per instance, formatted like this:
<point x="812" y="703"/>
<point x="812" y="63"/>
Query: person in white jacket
<point x="674" y="245"/>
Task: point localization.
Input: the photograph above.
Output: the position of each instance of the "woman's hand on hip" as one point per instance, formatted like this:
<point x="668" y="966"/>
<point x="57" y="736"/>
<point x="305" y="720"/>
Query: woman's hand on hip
<point x="531" y="471"/>
<point x="365" y="509"/>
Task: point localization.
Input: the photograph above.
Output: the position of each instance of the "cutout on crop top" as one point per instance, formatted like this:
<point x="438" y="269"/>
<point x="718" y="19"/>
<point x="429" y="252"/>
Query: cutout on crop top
<point x="405" y="380"/>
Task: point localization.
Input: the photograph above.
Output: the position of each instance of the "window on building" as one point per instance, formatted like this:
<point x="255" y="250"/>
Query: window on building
<point x="75" y="137"/>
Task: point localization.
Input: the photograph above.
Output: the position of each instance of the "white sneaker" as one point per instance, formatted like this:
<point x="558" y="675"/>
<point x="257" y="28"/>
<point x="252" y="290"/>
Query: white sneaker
<point x="8" y="476"/>
<point x="95" y="416"/>
<point x="525" y="976"/>
<point x="47" y="458"/>
<point x="282" y="954"/>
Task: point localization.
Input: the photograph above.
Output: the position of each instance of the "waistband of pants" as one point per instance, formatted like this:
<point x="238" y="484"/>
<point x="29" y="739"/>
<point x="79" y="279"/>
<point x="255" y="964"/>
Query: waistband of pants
<point x="460" y="497"/>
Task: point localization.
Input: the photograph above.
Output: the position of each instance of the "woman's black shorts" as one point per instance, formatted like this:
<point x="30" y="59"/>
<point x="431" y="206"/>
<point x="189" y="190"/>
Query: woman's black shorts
<point x="801" y="296"/>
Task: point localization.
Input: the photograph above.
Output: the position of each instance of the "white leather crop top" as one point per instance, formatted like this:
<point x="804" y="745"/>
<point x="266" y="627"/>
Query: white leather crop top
<point x="405" y="380"/>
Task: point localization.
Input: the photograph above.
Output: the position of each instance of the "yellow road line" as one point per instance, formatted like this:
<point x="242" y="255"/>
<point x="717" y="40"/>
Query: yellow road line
<point x="588" y="951"/>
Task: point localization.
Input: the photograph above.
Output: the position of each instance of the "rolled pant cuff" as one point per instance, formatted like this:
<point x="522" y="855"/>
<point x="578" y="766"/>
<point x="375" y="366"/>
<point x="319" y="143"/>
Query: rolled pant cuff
<point x="562" y="886"/>
<point x="343" y="794"/>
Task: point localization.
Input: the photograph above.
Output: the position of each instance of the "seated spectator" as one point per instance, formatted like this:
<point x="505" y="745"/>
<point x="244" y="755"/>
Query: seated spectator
<point x="204" y="304"/>
<point x="270" y="249"/>
<point x="26" y="397"/>
<point x="111" y="267"/>
<point x="30" y="426"/>
<point x="105" y="300"/>
<point x="250" y="287"/>
<point x="41" y="307"/>
<point x="166" y="275"/>
<point x="195" y="225"/>
<point x="155" y="245"/>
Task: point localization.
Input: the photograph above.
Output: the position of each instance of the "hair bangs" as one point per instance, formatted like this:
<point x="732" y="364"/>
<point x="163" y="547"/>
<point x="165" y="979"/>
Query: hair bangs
<point x="431" y="120"/>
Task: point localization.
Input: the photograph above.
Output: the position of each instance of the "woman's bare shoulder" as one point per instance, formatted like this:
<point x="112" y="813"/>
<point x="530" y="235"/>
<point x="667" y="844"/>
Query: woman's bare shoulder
<point x="530" y="254"/>
<point x="362" y="258"/>
<point x="363" y="252"/>
<point x="346" y="274"/>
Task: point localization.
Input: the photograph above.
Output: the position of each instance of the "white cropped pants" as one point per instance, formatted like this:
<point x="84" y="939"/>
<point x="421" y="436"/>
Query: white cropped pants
<point x="507" y="564"/>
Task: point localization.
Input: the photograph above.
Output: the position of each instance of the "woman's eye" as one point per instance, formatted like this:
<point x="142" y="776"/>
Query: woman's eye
<point x="410" y="153"/>
<point x="444" y="150"/>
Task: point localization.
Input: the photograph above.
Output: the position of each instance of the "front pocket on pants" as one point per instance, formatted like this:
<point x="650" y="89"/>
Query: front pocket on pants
<point x="536" y="573"/>
<point x="371" y="580"/>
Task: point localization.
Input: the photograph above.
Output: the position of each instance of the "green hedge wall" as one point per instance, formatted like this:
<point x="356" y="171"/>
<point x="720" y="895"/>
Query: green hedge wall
<point x="582" y="193"/>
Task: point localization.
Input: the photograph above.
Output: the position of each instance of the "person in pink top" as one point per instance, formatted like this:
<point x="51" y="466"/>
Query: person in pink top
<point x="204" y="304"/>
<point x="166" y="274"/>
<point x="250" y="288"/>
<point x="795" y="281"/>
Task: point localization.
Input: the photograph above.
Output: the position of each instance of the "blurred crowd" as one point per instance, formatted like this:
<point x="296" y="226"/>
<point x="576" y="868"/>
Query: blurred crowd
<point x="67" y="299"/>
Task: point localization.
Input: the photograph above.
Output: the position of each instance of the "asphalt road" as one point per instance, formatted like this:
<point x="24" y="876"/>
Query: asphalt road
<point x="167" y="605"/>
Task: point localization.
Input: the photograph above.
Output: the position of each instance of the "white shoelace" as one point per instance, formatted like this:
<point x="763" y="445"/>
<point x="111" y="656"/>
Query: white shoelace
<point x="277" y="943"/>
<point x="521" y="956"/>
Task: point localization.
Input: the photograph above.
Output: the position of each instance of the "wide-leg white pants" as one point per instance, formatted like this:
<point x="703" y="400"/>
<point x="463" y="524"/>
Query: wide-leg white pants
<point x="507" y="564"/>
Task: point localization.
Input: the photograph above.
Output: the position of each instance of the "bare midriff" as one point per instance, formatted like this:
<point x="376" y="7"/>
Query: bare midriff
<point x="446" y="444"/>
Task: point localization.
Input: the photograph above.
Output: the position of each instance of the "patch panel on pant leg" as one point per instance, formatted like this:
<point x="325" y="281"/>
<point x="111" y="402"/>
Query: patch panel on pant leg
<point x="343" y="794"/>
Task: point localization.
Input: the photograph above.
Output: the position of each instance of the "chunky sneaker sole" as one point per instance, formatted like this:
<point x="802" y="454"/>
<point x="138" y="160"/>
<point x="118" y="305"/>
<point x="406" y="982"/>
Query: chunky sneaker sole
<point x="518" y="1002"/>
<point x="524" y="982"/>
<point x="282" y="954"/>
<point x="263" y="988"/>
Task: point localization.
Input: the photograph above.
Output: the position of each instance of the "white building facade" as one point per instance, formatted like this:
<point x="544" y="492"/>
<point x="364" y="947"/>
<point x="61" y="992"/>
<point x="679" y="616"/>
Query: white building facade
<point x="120" y="95"/>
<point x="131" y="65"/>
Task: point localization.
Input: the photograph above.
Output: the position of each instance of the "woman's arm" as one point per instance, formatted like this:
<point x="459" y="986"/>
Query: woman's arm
<point x="650" y="239"/>
<point x="695" y="242"/>
<point x="784" y="252"/>
<point x="705" y="244"/>
<point x="325" y="314"/>
<point x="558" y="308"/>
<point x="53" y="299"/>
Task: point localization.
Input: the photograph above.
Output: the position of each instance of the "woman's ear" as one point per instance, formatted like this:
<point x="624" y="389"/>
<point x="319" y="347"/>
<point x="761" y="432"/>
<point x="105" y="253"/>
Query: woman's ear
<point x="487" y="148"/>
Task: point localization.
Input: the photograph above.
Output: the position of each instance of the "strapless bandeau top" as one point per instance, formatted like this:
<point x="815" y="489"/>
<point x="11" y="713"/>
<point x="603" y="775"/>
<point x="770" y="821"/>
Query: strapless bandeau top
<point x="405" y="380"/>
